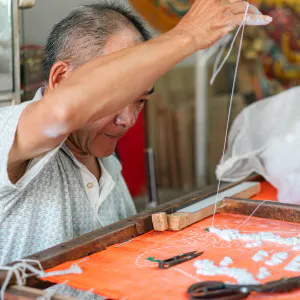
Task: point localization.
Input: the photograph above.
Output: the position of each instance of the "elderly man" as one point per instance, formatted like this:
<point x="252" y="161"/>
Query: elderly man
<point x="58" y="179"/>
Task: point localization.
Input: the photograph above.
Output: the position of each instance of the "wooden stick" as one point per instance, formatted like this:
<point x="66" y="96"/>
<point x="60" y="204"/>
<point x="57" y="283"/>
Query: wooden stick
<point x="180" y="220"/>
<point x="25" y="293"/>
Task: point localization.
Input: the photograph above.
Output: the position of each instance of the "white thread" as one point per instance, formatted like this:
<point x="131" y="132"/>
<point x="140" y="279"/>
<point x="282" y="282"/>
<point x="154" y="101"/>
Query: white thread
<point x="19" y="270"/>
<point x="80" y="261"/>
<point x="32" y="261"/>
<point x="51" y="293"/>
<point x="74" y="269"/>
<point x="217" y="70"/>
<point x="47" y="296"/>
<point x="23" y="269"/>
<point x="23" y="266"/>
<point x="6" y="281"/>
<point x="232" y="94"/>
<point x="219" y="57"/>
<point x="123" y="243"/>
<point x="251" y="214"/>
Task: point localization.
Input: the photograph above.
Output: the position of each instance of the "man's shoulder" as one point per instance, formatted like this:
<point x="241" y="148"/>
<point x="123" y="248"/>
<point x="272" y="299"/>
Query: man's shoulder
<point x="9" y="110"/>
<point x="5" y="110"/>
<point x="9" y="118"/>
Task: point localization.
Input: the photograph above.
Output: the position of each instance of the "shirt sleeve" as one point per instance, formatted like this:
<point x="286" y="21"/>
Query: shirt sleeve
<point x="9" y="119"/>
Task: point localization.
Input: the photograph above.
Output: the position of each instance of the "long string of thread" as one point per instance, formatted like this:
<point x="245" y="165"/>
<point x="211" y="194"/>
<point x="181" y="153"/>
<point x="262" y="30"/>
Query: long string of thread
<point x="21" y="268"/>
<point x="260" y="204"/>
<point x="217" y="68"/>
<point x="218" y="59"/>
<point x="231" y="98"/>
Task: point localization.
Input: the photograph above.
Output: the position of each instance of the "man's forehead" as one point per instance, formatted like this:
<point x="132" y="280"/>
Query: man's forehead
<point x="123" y="39"/>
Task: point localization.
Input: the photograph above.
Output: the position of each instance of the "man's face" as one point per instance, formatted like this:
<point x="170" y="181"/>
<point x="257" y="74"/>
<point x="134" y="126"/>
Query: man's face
<point x="100" y="138"/>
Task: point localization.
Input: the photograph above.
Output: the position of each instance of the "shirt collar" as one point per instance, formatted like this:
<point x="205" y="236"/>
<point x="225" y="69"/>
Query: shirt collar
<point x="39" y="94"/>
<point x="111" y="164"/>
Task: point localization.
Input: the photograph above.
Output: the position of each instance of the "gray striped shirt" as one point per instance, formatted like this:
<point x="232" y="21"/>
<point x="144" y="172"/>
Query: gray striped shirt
<point x="49" y="204"/>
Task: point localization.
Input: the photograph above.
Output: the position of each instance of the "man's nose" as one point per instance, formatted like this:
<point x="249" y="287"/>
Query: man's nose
<point x="127" y="116"/>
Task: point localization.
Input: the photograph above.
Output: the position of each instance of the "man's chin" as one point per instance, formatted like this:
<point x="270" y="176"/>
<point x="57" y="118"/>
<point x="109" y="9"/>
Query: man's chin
<point x="103" y="152"/>
<point x="102" y="148"/>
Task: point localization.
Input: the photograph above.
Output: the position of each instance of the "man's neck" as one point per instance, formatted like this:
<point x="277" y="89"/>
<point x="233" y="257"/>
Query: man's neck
<point x="89" y="161"/>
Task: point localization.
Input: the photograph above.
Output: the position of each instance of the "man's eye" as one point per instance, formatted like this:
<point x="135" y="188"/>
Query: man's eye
<point x="141" y="101"/>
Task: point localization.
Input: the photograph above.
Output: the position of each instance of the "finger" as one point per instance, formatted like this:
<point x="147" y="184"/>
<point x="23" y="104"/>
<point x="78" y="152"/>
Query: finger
<point x="258" y="20"/>
<point x="240" y="7"/>
<point x="251" y="19"/>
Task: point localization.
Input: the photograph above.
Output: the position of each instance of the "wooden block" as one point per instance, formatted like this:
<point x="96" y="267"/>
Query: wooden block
<point x="160" y="221"/>
<point x="178" y="221"/>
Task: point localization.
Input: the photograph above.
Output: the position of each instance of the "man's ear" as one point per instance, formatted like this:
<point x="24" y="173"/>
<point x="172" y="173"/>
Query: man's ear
<point x="59" y="71"/>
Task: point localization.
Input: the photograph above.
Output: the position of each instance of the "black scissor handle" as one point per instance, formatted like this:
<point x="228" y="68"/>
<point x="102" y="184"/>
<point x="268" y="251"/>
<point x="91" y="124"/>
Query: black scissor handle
<point x="215" y="290"/>
<point x="219" y="290"/>
<point x="283" y="285"/>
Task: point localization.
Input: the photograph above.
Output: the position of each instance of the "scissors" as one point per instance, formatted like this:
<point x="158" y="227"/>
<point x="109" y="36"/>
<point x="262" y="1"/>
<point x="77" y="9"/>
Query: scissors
<point x="167" y="263"/>
<point x="222" y="291"/>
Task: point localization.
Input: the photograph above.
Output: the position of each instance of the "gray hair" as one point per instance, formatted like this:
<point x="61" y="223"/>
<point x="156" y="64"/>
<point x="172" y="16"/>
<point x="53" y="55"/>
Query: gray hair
<point x="83" y="34"/>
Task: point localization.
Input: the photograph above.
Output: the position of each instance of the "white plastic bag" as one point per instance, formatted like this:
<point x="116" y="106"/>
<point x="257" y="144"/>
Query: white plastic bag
<point x="265" y="138"/>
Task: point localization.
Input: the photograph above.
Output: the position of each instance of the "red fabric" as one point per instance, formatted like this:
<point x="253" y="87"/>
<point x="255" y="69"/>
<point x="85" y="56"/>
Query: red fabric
<point x="123" y="271"/>
<point x="267" y="192"/>
<point x="131" y="152"/>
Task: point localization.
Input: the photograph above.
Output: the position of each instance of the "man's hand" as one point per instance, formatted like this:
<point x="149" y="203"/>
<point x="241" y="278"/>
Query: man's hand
<point x="209" y="20"/>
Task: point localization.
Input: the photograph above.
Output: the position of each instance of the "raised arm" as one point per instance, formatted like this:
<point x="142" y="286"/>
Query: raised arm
<point x="109" y="83"/>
